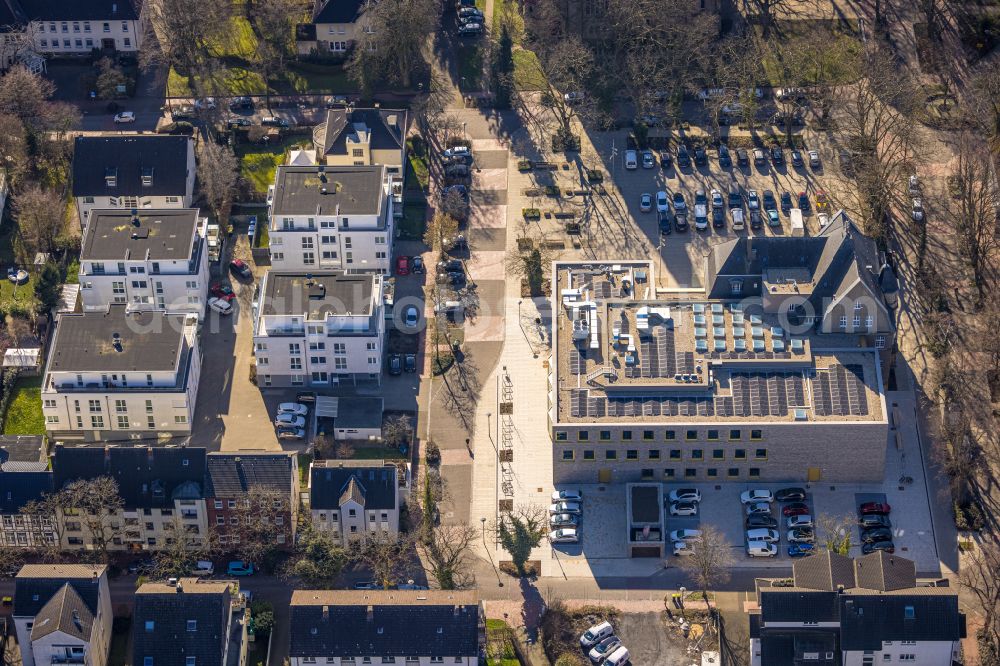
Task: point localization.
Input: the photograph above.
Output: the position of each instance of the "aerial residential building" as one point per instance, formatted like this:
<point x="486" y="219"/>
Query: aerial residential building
<point x="349" y="499"/>
<point x="117" y="375"/>
<point x="754" y="379"/>
<point x="189" y="622"/>
<point x="319" y="329"/>
<point x="332" y="217"/>
<point x="62" y="614"/>
<point x="162" y="492"/>
<point x="334" y="29"/>
<point x="362" y="137"/>
<point x="132" y="171"/>
<point x="342" y="627"/>
<point x="153" y="260"/>
<point x="20" y="484"/>
<point x="844" y="612"/>
<point x="229" y="479"/>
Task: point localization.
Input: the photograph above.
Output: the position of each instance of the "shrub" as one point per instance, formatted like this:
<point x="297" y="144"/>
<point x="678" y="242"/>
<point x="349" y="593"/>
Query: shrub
<point x="262" y="613"/>
<point x="569" y="659"/>
<point x="433" y="454"/>
<point x="532" y="214"/>
<point x="595" y="176"/>
<point x="552" y="190"/>
<point x="524" y="165"/>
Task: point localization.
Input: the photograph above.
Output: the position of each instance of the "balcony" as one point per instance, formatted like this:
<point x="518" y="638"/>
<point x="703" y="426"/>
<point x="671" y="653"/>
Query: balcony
<point x="68" y="659"/>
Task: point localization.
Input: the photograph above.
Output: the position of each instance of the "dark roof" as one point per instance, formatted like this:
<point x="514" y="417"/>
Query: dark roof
<point x="11" y="15"/>
<point x="169" y="642"/>
<point x="783" y="605"/>
<point x="359" y="412"/>
<point x="305" y="32"/>
<point x="387" y="128"/>
<point x="357" y="190"/>
<point x="377" y="485"/>
<point x="824" y="571"/>
<point x="19" y="488"/>
<point x="337" y="623"/>
<point x="235" y="474"/>
<point x="146" y="477"/>
<point x="867" y="620"/>
<point x="884" y="572"/>
<point x="21" y="448"/>
<point x="337" y="11"/>
<point x="67" y="612"/>
<point x="154" y="234"/>
<point x="70" y="10"/>
<point x="645" y="504"/>
<point x="149" y="341"/>
<point x="127" y="156"/>
<point x="319" y="294"/>
<point x="36" y="584"/>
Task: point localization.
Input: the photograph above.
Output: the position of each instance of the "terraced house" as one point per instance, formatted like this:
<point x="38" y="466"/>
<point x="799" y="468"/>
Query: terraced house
<point x="774" y="373"/>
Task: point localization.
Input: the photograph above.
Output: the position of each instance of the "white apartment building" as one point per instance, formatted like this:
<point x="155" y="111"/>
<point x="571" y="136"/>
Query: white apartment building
<point x="132" y="171"/>
<point x="62" y="614"/>
<point x="332" y="218"/>
<point x="349" y="499"/>
<point x="117" y="375"/>
<point x="153" y="260"/>
<point x="318" y="329"/>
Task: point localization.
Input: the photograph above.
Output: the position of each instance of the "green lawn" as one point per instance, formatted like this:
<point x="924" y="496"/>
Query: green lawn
<point x="411" y="227"/>
<point x="258" y="163"/>
<point x="22" y="295"/>
<point x="417" y="174"/>
<point x="499" y="648"/>
<point x="527" y="71"/>
<point x="834" y="63"/>
<point x="24" y="413"/>
<point x="376" y="453"/>
<point x="304" y="461"/>
<point x="470" y="66"/>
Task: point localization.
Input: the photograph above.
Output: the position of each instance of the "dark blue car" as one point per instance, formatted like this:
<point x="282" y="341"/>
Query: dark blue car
<point x="801" y="549"/>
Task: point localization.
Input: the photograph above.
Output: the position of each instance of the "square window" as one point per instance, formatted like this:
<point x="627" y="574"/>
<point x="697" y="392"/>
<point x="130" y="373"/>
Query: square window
<point x="756" y="434"/>
<point x="626" y="435"/>
<point x="654" y="454"/>
<point x="697" y="454"/>
<point x="588" y="455"/>
<point x="675" y="454"/>
<point x="690" y="472"/>
<point x="712" y="472"/>
<point x="567" y="454"/>
<point x="735" y="434"/>
<point x="754" y="472"/>
<point x="718" y="454"/>
<point x="561" y="436"/>
<point x="760" y="454"/>
<point x="647" y="435"/>
<point x="189" y="661"/>
<point x="192" y="625"/>
<point x="647" y="473"/>
<point x="740" y="454"/>
<point x="670" y="435"/>
<point x="583" y="436"/>
<point x="713" y="435"/>
<point x="604" y="435"/>
<point x="733" y="472"/>
<point x="668" y="472"/>
<point x="632" y="454"/>
<point x="611" y="454"/>
<point x="690" y="435"/>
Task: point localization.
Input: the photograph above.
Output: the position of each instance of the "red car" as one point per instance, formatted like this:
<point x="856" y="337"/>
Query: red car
<point x="402" y="265"/>
<point x="222" y="291"/>
<point x="240" y="269"/>
<point x="874" y="507"/>
<point x="796" y="509"/>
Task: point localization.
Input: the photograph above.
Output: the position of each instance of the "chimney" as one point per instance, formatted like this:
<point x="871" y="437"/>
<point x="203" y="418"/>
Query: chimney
<point x="180" y="585"/>
<point x="371" y="613"/>
<point x="326" y="613"/>
<point x="457" y="610"/>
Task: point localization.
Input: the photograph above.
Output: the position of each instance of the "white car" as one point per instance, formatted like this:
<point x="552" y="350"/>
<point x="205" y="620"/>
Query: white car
<point x="296" y="408"/>
<point x="758" y="507"/>
<point x="824" y="220"/>
<point x="914" y="186"/>
<point x="574" y="97"/>
<point x="685" y="535"/>
<point x="717" y="199"/>
<point x="220" y="305"/>
<point x="411" y="316"/>
<point x="801" y="536"/>
<point x="125" y="117"/>
<point x="207" y="103"/>
<point x="686" y="508"/>
<point x="685" y="495"/>
<point x="564" y="535"/>
<point x="564" y="507"/>
<point x="631" y="159"/>
<point x="567" y="496"/>
<point x="291" y="433"/>
<point x="758" y="495"/>
<point x="683" y="548"/>
<point x="662" y="203"/>
<point x="761" y="549"/>
<point x="596" y="634"/>
<point x="564" y="520"/>
<point x="457" y="151"/>
<point x="804" y="520"/>
<point x="648" y="161"/>
<point x="289" y="421"/>
<point x="203" y="568"/>
<point x="814" y="159"/>
<point x="763" y="534"/>
<point x="918" y="210"/>
<point x="646" y="202"/>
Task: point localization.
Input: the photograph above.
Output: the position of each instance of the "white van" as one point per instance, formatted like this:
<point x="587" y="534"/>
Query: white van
<point x="596" y="634"/>
<point x="763" y="534"/>
<point x="795" y="219"/>
<point x="618" y="657"/>
<point x="761" y="549"/>
<point x="203" y="568"/>
<point x="631" y="159"/>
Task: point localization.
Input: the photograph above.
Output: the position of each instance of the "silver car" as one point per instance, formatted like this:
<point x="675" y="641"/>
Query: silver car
<point x="564" y="507"/>
<point x="564" y="520"/>
<point x="564" y="535"/>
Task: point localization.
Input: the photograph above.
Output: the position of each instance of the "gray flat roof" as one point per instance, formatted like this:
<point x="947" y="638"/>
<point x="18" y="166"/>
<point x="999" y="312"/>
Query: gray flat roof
<point x="351" y="190"/>
<point x="645" y="503"/>
<point x="318" y="294"/>
<point x="162" y="233"/>
<point x="359" y="412"/>
<point x="149" y="341"/>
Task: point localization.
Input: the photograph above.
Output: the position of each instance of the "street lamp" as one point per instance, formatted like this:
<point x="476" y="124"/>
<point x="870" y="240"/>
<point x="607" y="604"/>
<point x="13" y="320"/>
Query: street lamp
<point x="483" y="522"/>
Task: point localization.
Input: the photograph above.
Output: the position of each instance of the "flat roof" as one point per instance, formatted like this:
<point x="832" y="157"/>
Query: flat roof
<point x="645" y="503"/>
<point x="156" y="234"/>
<point x="327" y="190"/>
<point x="384" y="597"/>
<point x="317" y="294"/>
<point x="626" y="354"/>
<point x="150" y="341"/>
<point x="187" y="586"/>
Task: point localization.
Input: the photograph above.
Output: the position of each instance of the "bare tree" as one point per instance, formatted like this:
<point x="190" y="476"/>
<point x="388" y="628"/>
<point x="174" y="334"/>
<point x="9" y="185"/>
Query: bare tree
<point x="455" y="205"/>
<point x="397" y="429"/>
<point x="181" y="551"/>
<point x="440" y="228"/>
<point x="765" y="12"/>
<point x="532" y="264"/>
<point x="218" y="170"/>
<point x="183" y="33"/>
<point x="566" y="67"/>
<point x="386" y="554"/>
<point x="14" y="149"/>
<point x="390" y="48"/>
<point x="979" y="576"/>
<point x="38" y="220"/>
<point x="274" y="22"/>
<point x="836" y="531"/>
<point x="263" y="525"/>
<point x="711" y="561"/>
<point x="26" y="96"/>
<point x="11" y="559"/>
<point x="109" y="78"/>
<point x="975" y="214"/>
<point x="446" y="556"/>
<point x="521" y="530"/>
<point x="739" y="70"/>
<point x="96" y="505"/>
<point x="318" y="559"/>
<point x="983" y="95"/>
<point x="45" y="517"/>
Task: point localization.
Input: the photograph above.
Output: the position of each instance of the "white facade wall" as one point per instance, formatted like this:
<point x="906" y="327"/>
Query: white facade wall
<point x="912" y="653"/>
<point x="142" y="529"/>
<point x="352" y="661"/>
<point x="342" y="526"/>
<point x="24" y="531"/>
<point x="96" y="652"/>
<point x="81" y="37"/>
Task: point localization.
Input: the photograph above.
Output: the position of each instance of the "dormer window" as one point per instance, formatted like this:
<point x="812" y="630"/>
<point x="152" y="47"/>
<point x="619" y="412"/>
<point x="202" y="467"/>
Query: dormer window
<point x="736" y="286"/>
<point x="147" y="176"/>
<point x="111" y="177"/>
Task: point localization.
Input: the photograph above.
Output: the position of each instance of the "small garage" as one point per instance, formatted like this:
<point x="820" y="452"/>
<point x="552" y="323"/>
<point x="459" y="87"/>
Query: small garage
<point x="350" y="418"/>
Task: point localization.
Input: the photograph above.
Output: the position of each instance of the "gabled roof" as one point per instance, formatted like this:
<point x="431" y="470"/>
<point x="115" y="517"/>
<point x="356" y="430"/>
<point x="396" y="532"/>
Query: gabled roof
<point x="168" y="640"/>
<point x="36" y="584"/>
<point x="782" y="605"/>
<point x="337" y="11"/>
<point x="884" y="572"/>
<point x="867" y="620"/>
<point x="67" y="612"/>
<point x="95" y="158"/>
<point x="235" y="474"/>
<point x="386" y="126"/>
<point x="19" y="488"/>
<point x="146" y="477"/>
<point x="383" y="624"/>
<point x="84" y="10"/>
<point x="825" y="571"/>
<point x="375" y="487"/>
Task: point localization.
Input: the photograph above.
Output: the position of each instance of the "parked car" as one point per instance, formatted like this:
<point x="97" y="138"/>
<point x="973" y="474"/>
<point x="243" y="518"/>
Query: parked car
<point x="700" y="156"/>
<point x="240" y="568"/>
<point x="725" y="158"/>
<point x="756" y="221"/>
<point x="471" y="18"/>
<point x="203" y="568"/>
<point x="600" y="651"/>
<point x="918" y="210"/>
<point x="719" y="218"/>
<point x="564" y="535"/>
<point x="796" y="158"/>
<point x="759" y="158"/>
<point x="685" y="495"/>
<point x="469" y="11"/>
<point x="220" y="305"/>
<point x="742" y="157"/>
<point x="574" y="96"/>
<point x="683" y="157"/>
<point x="738" y="221"/>
<point x="471" y="30"/>
<point x="763" y="534"/>
<point x="367" y="585"/>
<point x="681" y="221"/>
<point x="410" y="362"/>
<point x="564" y="507"/>
<point x="756" y="495"/>
<point x="761" y="549"/>
<point x="804" y="520"/>
<point x="291" y="433"/>
<point x="596" y="634"/>
<point x="795" y="509"/>
<point x="223" y="291"/>
<point x="411" y="316"/>
<point x="207" y="103"/>
<point x="666" y="159"/>
<point x="913" y="186"/>
<point x="455" y="151"/>
<point x="240" y="104"/>
<point x="814" y="162"/>
<point x="777" y="156"/>
<point x="289" y="421"/>
<point x="646" y="202"/>
<point x="293" y="408"/>
<point x="685" y="535"/>
<point x="662" y="203"/>
<point x="822" y="202"/>
<point x="761" y="520"/>
<point x="236" y="123"/>
<point x="790" y="495"/>
<point x="682" y="548"/>
<point x="417" y="265"/>
<point x="801" y="549"/>
<point x="768" y="200"/>
<point x="663" y="221"/>
<point x="753" y="200"/>
<point x="648" y="161"/>
<point x="876" y="534"/>
<point x="772" y="218"/>
<point x="804" y="202"/>
<point x="872" y="520"/>
<point x="786" y="202"/>
<point x="801" y="535"/>
<point x="735" y="196"/>
<point x="631" y="160"/>
<point x="875" y="507"/>
<point x="758" y="507"/>
<point x="871" y="547"/>
<point x="680" y="206"/>
<point x="125" y="117"/>
<point x="684" y="509"/>
<point x="567" y="496"/>
<point x="240" y="269"/>
<point x="564" y="520"/>
<point x="395" y="364"/>
<point x="273" y="121"/>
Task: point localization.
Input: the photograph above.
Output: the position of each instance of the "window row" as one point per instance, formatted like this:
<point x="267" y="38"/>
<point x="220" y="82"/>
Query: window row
<point x="674" y="454"/>
<point x="734" y="434"/>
